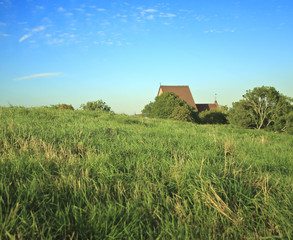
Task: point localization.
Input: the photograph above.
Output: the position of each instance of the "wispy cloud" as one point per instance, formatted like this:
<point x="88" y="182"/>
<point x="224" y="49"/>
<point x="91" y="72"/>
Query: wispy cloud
<point x="150" y="17"/>
<point x="56" y="41"/>
<point x="219" y="31"/>
<point x="24" y="37"/>
<point x="40" y="7"/>
<point x="168" y="15"/>
<point x="201" y="18"/>
<point x="61" y="9"/>
<point x="4" y="35"/>
<point x="2" y="24"/>
<point x="40" y="28"/>
<point x="151" y="10"/>
<point x="36" y="76"/>
<point x="79" y="9"/>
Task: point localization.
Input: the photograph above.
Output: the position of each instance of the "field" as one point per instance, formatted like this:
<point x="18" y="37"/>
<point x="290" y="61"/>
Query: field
<point x="92" y="175"/>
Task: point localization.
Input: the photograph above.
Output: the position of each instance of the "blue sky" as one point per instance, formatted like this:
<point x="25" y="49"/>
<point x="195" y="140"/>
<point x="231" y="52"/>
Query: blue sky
<point x="120" y="51"/>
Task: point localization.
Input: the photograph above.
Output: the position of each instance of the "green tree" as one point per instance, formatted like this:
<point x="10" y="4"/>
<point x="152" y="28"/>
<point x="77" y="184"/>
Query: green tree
<point x="213" y="117"/>
<point x="182" y="114"/>
<point x="147" y="111"/>
<point x="284" y="123"/>
<point x="164" y="105"/>
<point x="96" y="106"/>
<point x="260" y="108"/>
<point x="62" y="106"/>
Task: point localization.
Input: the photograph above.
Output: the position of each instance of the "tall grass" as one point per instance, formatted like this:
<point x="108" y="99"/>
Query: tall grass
<point x="91" y="175"/>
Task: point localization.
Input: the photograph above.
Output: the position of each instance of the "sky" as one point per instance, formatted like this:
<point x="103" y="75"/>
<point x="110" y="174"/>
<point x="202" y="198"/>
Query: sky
<point x="75" y="51"/>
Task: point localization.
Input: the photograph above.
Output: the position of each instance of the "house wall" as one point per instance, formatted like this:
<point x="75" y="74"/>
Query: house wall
<point x="160" y="92"/>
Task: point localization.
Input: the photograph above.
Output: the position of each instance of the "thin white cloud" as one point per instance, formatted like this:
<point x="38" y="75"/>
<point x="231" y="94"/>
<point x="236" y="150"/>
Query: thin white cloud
<point x="150" y="17"/>
<point x="101" y="9"/>
<point x="56" y="41"/>
<point x="4" y="35"/>
<point x="40" y="28"/>
<point x="212" y="31"/>
<point x="79" y="9"/>
<point x="168" y="15"/>
<point x="200" y="18"/>
<point x="61" y="9"/>
<point x="2" y="24"/>
<point x="219" y="31"/>
<point x="40" y="7"/>
<point x="24" y="37"/>
<point x="105" y="23"/>
<point x="36" y="76"/>
<point x="150" y="10"/>
<point x="101" y="33"/>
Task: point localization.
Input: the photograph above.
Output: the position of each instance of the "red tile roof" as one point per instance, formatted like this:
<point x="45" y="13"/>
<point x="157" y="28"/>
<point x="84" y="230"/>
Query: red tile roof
<point x="207" y="106"/>
<point x="182" y="92"/>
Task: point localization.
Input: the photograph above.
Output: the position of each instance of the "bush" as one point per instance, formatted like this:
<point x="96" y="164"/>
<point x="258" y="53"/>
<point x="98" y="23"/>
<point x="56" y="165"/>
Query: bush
<point x="284" y="124"/>
<point x="96" y="106"/>
<point x="61" y="106"/>
<point x="164" y="106"/>
<point x="182" y="114"/>
<point x="213" y="117"/>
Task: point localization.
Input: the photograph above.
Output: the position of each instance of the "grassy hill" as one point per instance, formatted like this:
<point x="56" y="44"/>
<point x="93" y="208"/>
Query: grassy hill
<point x="87" y="175"/>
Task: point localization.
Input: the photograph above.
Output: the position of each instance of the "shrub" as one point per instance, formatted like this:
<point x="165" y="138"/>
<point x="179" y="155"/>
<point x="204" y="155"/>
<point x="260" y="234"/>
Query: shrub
<point x="62" y="106"/>
<point x="213" y="117"/>
<point x="165" y="104"/>
<point x="96" y="106"/>
<point x="284" y="124"/>
<point x="182" y="114"/>
<point x="65" y="106"/>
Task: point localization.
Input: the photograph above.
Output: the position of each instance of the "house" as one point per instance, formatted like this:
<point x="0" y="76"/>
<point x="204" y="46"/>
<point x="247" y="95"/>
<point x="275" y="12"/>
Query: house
<point x="184" y="93"/>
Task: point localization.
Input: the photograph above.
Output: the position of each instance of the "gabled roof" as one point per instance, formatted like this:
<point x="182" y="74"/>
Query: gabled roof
<point x="207" y="106"/>
<point x="182" y="92"/>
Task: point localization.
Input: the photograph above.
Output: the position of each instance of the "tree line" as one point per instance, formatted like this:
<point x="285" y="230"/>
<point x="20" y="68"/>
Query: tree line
<point x="99" y="105"/>
<point x="260" y="108"/>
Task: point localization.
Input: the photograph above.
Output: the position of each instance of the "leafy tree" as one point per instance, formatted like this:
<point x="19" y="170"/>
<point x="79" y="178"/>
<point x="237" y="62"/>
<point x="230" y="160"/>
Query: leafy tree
<point x="66" y="106"/>
<point x="182" y="114"/>
<point x="213" y="117"/>
<point x="96" y="106"/>
<point x="260" y="108"/>
<point x="147" y="111"/>
<point x="62" y="106"/>
<point x="164" y="105"/>
<point x="284" y="123"/>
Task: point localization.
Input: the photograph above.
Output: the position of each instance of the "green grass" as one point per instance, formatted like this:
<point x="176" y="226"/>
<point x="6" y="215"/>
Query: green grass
<point x="87" y="175"/>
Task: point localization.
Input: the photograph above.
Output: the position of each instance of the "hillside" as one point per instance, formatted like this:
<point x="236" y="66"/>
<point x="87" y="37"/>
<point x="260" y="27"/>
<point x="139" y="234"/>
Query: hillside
<point x="87" y="175"/>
